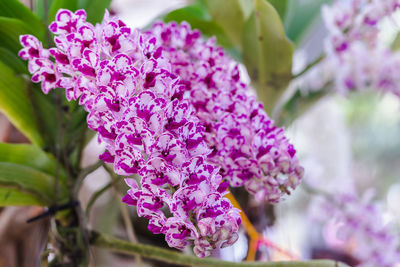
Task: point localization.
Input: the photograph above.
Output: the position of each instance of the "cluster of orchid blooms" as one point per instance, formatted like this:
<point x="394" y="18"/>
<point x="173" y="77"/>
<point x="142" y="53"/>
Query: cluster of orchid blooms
<point x="172" y="109"/>
<point x="355" y="57"/>
<point x="358" y="229"/>
<point x="176" y="116"/>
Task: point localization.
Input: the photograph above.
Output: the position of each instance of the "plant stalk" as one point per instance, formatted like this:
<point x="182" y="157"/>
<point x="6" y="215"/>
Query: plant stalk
<point x="169" y="256"/>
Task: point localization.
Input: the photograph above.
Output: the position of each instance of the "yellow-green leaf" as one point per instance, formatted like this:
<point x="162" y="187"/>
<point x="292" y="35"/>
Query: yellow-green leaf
<point x="396" y="43"/>
<point x="31" y="156"/>
<point x="198" y="18"/>
<point x="267" y="53"/>
<point x="13" y="197"/>
<point x="15" y="104"/>
<point x="230" y="17"/>
<point x="31" y="182"/>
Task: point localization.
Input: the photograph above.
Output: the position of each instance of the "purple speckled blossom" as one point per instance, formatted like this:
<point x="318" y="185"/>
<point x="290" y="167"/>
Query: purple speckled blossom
<point x="356" y="58"/>
<point x="243" y="140"/>
<point x="359" y="229"/>
<point x="135" y="104"/>
<point x="39" y="65"/>
<point x="171" y="108"/>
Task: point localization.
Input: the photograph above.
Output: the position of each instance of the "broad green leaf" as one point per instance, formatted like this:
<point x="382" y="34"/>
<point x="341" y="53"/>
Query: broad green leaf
<point x="10" y="30"/>
<point x="15" y="104"/>
<point x="13" y="197"/>
<point x="300" y="16"/>
<point x="31" y="156"/>
<point x="12" y="60"/>
<point x="280" y="6"/>
<point x="57" y="4"/>
<point x="230" y="17"/>
<point x="267" y="53"/>
<point x="15" y="9"/>
<point x="198" y="18"/>
<point x="95" y="9"/>
<point x="31" y="182"/>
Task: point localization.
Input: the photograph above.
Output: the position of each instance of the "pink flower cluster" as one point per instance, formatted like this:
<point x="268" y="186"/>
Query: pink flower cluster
<point x="172" y="108"/>
<point x="135" y="103"/>
<point x="360" y="229"/>
<point x="355" y="57"/>
<point x="245" y="143"/>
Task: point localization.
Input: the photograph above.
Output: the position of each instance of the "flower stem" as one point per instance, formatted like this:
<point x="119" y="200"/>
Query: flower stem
<point x="82" y="175"/>
<point x="124" y="213"/>
<point x="97" y="194"/>
<point x="309" y="66"/>
<point x="169" y="256"/>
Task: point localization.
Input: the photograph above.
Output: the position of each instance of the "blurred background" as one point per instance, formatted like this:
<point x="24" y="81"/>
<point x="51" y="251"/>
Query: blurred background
<point x="344" y="143"/>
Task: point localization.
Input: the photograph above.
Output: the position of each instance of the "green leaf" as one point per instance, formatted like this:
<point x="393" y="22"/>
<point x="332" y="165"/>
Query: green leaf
<point x="31" y="182"/>
<point x="12" y="60"/>
<point x="57" y="4"/>
<point x="230" y="17"/>
<point x="15" y="9"/>
<point x="267" y="53"/>
<point x="31" y="156"/>
<point x="280" y="6"/>
<point x="300" y="16"/>
<point x="198" y="18"/>
<point x="10" y="30"/>
<point x="13" y="197"/>
<point x="15" y="104"/>
<point x="39" y="9"/>
<point x="95" y="9"/>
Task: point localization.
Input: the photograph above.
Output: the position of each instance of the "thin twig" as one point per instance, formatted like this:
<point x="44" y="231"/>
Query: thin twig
<point x="78" y="210"/>
<point x="129" y="227"/>
<point x="125" y="215"/>
<point x="85" y="172"/>
<point x="97" y="194"/>
<point x="309" y="66"/>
